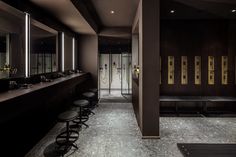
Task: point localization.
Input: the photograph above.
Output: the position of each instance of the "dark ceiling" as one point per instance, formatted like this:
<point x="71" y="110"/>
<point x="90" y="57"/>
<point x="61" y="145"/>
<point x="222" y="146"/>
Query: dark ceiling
<point x="96" y="14"/>
<point x="198" y="9"/>
<point x="124" y="12"/>
<point x="114" y="45"/>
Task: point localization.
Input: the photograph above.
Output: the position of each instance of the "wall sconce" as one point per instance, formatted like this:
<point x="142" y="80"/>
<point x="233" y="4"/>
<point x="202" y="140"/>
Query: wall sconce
<point x="136" y="70"/>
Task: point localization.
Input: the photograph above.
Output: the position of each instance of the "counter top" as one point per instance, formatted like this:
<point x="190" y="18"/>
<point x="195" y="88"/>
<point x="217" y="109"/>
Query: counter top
<point x="4" y="96"/>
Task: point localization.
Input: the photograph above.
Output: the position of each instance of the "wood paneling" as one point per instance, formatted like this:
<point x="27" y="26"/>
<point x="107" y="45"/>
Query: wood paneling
<point x="149" y="68"/>
<point x="201" y="38"/>
<point x="135" y="82"/>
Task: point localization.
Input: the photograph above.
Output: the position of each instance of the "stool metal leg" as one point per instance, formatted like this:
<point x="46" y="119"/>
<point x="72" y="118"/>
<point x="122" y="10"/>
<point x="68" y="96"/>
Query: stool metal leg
<point x="80" y="118"/>
<point x="69" y="139"/>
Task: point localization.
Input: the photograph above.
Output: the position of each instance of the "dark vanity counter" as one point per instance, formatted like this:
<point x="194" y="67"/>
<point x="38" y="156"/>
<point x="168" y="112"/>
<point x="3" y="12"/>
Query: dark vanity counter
<point x="5" y="96"/>
<point x="26" y="115"/>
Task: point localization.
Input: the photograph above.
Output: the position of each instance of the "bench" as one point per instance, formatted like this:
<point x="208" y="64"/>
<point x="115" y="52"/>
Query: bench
<point x="202" y="99"/>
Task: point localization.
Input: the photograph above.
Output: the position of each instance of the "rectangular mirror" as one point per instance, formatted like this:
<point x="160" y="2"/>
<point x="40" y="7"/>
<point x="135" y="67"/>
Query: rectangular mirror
<point x="43" y="49"/>
<point x="12" y="42"/>
<point x="4" y="54"/>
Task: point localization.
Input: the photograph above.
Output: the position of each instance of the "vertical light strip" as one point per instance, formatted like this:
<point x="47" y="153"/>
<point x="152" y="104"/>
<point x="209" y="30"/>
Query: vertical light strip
<point x="29" y="38"/>
<point x="8" y="49"/>
<point x="62" y="52"/>
<point x="73" y="54"/>
<point x="26" y="45"/>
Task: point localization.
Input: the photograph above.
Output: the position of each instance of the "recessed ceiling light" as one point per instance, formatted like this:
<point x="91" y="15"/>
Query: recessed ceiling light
<point x="172" y="11"/>
<point x="112" y="11"/>
<point x="233" y="10"/>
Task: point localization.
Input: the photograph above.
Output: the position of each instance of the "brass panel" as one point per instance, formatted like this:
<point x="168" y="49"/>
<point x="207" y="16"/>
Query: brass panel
<point x="224" y="70"/>
<point x="184" y="70"/>
<point x="171" y="69"/>
<point x="211" y="70"/>
<point x="197" y="76"/>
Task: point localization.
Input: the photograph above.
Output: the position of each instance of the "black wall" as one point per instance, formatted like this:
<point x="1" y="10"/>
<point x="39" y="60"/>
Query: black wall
<point x="198" y="38"/>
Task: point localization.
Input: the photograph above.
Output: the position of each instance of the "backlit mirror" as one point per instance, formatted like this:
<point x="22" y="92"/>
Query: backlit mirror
<point x="43" y="50"/>
<point x="12" y="42"/>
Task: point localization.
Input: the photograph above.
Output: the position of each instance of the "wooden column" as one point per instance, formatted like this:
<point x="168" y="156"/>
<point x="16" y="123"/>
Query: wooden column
<point x="149" y="76"/>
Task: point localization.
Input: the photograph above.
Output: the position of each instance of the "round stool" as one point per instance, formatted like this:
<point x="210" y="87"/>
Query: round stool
<point x="83" y="117"/>
<point x="68" y="137"/>
<point x="89" y="96"/>
<point x="95" y="91"/>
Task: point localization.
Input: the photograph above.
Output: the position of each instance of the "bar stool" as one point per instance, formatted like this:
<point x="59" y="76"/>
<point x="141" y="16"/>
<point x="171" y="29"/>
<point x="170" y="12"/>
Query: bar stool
<point x="95" y="91"/>
<point x="89" y="96"/>
<point x="68" y="137"/>
<point x="83" y="117"/>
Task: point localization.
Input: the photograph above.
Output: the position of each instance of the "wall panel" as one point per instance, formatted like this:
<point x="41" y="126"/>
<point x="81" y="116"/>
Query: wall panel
<point x="200" y="38"/>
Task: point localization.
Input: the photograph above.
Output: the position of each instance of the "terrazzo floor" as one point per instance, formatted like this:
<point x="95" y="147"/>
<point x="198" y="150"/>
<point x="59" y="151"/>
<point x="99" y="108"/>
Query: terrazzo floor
<point x="114" y="132"/>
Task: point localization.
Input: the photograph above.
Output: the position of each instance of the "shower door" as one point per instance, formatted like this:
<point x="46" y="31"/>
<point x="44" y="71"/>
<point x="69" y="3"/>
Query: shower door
<point x="110" y="74"/>
<point x="126" y="74"/>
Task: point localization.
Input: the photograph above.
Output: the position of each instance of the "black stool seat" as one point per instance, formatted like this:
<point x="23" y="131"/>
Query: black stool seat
<point x="94" y="90"/>
<point x="67" y="116"/>
<point x="81" y="103"/>
<point x="83" y="117"/>
<point x="89" y="94"/>
<point x="68" y="137"/>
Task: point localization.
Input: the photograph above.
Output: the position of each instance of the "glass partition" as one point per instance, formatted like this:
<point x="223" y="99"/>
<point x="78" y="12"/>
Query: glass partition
<point x="43" y="51"/>
<point x="116" y="71"/>
<point x="126" y="74"/>
<point x="104" y="71"/>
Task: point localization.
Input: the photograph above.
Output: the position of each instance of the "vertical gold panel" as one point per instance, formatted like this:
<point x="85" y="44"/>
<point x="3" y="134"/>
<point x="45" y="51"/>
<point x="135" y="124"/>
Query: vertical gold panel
<point x="224" y="70"/>
<point x="184" y="70"/>
<point x="211" y="70"/>
<point x="197" y="66"/>
<point x="171" y="69"/>
<point x="160" y="70"/>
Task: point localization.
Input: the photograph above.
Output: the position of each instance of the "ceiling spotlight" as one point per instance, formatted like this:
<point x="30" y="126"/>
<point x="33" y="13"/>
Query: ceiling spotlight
<point x="233" y="11"/>
<point x="112" y="11"/>
<point x="172" y="11"/>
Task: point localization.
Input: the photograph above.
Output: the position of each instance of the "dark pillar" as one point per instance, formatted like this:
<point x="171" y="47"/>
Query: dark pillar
<point x="150" y="39"/>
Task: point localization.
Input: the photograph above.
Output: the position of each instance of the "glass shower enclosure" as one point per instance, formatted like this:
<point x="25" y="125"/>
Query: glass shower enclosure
<point x="115" y="74"/>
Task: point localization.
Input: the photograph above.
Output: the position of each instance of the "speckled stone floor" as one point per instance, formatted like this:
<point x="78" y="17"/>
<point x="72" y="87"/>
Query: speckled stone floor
<point x="113" y="132"/>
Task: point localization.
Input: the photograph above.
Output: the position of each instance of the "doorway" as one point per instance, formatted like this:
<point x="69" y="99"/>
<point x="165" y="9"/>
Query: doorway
<point x="115" y="74"/>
